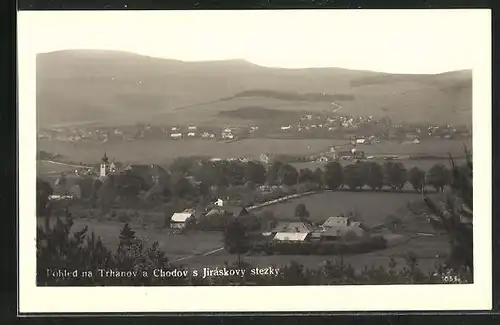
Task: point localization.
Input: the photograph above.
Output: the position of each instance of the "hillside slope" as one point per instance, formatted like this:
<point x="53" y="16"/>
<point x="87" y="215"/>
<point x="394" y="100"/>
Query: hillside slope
<point x="77" y="86"/>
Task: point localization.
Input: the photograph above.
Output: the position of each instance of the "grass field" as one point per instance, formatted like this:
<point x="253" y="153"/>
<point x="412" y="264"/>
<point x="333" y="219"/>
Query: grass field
<point x="189" y="249"/>
<point x="176" y="246"/>
<point x="48" y="168"/>
<point x="425" y="248"/>
<point x="163" y="151"/>
<point x="373" y="207"/>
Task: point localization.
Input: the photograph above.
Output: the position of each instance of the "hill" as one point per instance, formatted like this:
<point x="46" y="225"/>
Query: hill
<point x="113" y="87"/>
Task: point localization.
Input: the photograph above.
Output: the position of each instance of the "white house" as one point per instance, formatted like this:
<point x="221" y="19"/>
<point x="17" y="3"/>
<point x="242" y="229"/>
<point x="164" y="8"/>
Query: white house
<point x="286" y="127"/>
<point x="416" y="141"/>
<point x="191" y="134"/>
<point x="176" y="135"/>
<point x="264" y="159"/>
<point x="361" y="141"/>
<point x="192" y="127"/>
<point x="179" y="219"/>
<point x="219" y="202"/>
<point x="112" y="167"/>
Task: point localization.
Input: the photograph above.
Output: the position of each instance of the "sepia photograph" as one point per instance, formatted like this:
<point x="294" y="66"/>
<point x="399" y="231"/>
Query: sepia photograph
<point x="326" y="153"/>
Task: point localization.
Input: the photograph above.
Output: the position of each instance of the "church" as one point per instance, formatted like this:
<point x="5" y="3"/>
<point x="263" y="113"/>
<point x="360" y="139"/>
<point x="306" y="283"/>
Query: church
<point x="106" y="167"/>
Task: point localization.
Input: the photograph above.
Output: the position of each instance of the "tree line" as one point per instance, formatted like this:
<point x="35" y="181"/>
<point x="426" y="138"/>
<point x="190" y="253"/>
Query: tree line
<point x="333" y="175"/>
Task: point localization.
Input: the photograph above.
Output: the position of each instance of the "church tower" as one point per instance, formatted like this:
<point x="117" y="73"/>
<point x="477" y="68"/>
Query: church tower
<point x="104" y="166"/>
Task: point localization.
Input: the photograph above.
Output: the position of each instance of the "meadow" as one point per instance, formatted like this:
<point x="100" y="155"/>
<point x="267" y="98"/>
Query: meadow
<point x="198" y="249"/>
<point x="430" y="250"/>
<point x="176" y="246"/>
<point x="164" y="151"/>
<point x="373" y="207"/>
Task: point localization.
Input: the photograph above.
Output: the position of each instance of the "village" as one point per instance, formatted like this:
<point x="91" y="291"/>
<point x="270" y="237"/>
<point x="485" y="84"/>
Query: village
<point x="198" y="201"/>
<point x="357" y="128"/>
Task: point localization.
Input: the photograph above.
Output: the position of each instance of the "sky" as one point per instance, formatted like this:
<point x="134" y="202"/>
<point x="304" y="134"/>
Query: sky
<point x="394" y="41"/>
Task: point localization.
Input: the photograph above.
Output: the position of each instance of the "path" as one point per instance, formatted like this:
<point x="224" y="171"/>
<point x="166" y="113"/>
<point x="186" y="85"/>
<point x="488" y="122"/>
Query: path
<point x="63" y="164"/>
<point x="204" y="254"/>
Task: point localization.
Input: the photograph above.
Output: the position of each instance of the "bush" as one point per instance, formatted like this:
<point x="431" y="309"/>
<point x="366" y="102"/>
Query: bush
<point x="124" y="217"/>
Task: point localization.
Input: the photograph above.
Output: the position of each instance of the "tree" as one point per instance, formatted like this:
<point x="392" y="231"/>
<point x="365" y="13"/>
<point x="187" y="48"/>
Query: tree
<point x="373" y="174"/>
<point x="204" y="189"/>
<point x="127" y="236"/>
<point x="353" y="176"/>
<point x="318" y="176"/>
<point x="183" y="188"/>
<point x="350" y="235"/>
<point x="301" y="212"/>
<point x="455" y="215"/>
<point x="272" y="175"/>
<point x="288" y="175"/>
<point x="183" y="165"/>
<point x="207" y="173"/>
<point x="306" y="176"/>
<point x="129" y="185"/>
<point x="395" y="175"/>
<point x="255" y="172"/>
<point x="438" y="176"/>
<point x="235" y="172"/>
<point x="220" y="175"/>
<point x="333" y="176"/>
<point x="235" y="237"/>
<point x="43" y="191"/>
<point x="416" y="177"/>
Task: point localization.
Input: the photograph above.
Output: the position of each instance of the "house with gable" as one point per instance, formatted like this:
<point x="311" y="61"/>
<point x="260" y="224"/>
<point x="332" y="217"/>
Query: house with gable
<point x="179" y="220"/>
<point x="336" y="227"/>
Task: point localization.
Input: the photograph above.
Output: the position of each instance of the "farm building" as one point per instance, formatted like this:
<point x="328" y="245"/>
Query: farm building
<point x="336" y="222"/>
<point x="264" y="159"/>
<point x="180" y="219"/>
<point x="219" y="203"/>
<point x="335" y="227"/>
<point x="291" y="236"/>
<point x="292" y="227"/>
<point x="362" y="141"/>
<point x="215" y="219"/>
<point x="349" y="155"/>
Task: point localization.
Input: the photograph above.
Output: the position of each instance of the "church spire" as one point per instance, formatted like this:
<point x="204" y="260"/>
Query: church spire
<point x="105" y="158"/>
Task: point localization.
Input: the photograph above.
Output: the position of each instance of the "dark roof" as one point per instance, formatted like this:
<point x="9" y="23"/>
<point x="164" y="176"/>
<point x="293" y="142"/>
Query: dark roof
<point x="235" y="210"/>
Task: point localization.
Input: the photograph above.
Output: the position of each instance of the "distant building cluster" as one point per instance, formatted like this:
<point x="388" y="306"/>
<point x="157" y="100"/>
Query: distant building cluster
<point x="363" y="129"/>
<point x="333" y="228"/>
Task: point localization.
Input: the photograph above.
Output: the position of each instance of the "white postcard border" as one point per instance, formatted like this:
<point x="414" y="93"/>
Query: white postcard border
<point x="477" y="296"/>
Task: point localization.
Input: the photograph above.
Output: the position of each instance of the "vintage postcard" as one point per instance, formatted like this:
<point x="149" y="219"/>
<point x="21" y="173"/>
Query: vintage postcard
<point x="237" y="161"/>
